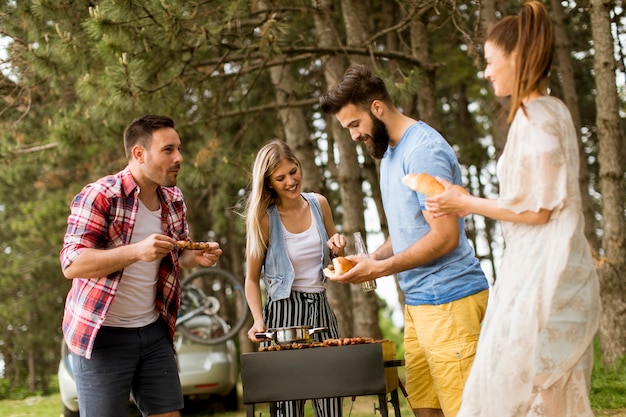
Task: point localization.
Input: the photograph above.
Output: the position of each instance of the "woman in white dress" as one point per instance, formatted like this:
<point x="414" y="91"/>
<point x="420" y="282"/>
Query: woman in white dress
<point x="535" y="350"/>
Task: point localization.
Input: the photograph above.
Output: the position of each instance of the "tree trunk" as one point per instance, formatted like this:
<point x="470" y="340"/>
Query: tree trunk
<point x="365" y="322"/>
<point x="32" y="371"/>
<point x="570" y="97"/>
<point x="420" y="48"/>
<point x="499" y="106"/>
<point x="610" y="140"/>
<point x="236" y="250"/>
<point x="296" y="128"/>
<point x="339" y="296"/>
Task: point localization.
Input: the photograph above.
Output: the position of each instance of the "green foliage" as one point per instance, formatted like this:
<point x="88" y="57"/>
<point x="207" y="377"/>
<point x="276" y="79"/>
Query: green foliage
<point x="86" y="71"/>
<point x="608" y="385"/>
<point x="389" y="328"/>
<point x="82" y="70"/>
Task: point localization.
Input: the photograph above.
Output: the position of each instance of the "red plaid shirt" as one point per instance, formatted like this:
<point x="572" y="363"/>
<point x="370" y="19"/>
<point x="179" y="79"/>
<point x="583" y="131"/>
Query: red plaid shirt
<point x="103" y="216"/>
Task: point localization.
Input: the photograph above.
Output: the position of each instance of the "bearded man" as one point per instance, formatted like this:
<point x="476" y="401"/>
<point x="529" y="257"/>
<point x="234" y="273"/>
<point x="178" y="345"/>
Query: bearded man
<point x="445" y="288"/>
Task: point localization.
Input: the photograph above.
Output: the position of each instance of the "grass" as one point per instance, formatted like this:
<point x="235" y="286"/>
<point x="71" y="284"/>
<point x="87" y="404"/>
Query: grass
<point x="50" y="406"/>
<point x="608" y="386"/>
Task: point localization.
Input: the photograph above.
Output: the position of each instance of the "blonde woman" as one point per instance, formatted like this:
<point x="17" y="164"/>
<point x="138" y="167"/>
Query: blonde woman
<point x="288" y="245"/>
<point x="534" y="354"/>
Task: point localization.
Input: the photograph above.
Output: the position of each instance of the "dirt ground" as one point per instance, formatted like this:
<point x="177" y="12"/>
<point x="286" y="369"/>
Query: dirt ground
<point x="613" y="413"/>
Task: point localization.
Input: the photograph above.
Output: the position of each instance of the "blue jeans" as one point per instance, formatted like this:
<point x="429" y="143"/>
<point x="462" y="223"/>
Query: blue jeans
<point x="128" y="361"/>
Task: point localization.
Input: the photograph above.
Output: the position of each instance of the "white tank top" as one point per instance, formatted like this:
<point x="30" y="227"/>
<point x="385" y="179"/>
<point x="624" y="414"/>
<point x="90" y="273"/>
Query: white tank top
<point x="305" y="253"/>
<point x="134" y="302"/>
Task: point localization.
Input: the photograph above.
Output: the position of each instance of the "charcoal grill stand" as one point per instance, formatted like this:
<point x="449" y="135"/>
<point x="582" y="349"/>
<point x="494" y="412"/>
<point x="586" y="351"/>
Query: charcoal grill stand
<point x="325" y="372"/>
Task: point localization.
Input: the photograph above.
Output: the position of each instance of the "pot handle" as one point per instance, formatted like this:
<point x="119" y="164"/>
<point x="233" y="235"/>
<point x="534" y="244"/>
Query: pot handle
<point x="315" y="330"/>
<point x="266" y="335"/>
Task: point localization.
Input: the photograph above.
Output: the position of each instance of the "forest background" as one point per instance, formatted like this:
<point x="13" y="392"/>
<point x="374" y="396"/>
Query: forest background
<point x="236" y="73"/>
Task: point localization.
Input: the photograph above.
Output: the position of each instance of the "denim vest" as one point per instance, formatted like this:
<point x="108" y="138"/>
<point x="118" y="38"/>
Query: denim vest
<point x="278" y="272"/>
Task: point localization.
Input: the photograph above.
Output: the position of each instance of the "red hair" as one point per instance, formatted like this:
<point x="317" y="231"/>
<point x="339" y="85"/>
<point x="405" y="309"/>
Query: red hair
<point x="529" y="35"/>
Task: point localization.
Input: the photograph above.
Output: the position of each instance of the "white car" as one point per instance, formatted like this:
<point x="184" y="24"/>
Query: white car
<point x="208" y="361"/>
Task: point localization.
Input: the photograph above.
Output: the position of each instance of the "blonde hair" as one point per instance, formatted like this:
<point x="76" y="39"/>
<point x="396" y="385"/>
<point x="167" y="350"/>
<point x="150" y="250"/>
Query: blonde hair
<point x="261" y="195"/>
<point x="529" y="35"/>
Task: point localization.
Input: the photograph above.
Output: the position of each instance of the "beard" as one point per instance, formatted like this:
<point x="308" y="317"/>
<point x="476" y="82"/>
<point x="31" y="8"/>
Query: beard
<point x="379" y="139"/>
<point x="163" y="179"/>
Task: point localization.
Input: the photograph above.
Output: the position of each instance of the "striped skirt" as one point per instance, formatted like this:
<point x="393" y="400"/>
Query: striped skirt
<point x="305" y="309"/>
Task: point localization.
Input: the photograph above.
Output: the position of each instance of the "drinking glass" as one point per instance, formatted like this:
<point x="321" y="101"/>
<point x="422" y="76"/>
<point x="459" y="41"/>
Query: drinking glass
<point x="360" y="248"/>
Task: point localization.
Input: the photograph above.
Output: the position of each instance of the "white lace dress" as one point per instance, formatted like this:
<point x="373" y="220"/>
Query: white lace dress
<point x="534" y="354"/>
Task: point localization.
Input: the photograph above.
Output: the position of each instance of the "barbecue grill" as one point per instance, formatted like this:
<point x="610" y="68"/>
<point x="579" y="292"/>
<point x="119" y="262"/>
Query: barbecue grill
<point x="321" y="372"/>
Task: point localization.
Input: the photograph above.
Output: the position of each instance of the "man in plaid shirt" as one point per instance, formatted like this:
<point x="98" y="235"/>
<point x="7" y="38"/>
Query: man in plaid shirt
<point x="120" y="252"/>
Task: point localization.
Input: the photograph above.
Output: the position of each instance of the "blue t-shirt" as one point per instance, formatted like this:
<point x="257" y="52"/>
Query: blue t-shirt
<point x="453" y="276"/>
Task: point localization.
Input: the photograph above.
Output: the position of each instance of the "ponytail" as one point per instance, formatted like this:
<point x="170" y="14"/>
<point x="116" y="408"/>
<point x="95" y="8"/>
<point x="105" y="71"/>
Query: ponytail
<point x="535" y="49"/>
<point x="529" y="35"/>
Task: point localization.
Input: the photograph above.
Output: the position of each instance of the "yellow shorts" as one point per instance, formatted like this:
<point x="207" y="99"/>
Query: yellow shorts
<point x="440" y="344"/>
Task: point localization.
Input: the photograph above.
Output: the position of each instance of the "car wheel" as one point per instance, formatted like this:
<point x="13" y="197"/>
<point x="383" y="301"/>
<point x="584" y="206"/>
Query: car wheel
<point x="69" y="413"/>
<point x="231" y="400"/>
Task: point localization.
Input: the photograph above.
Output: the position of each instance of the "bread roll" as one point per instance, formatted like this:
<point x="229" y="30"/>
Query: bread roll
<point x="342" y="265"/>
<point x="426" y="184"/>
<point x="423" y="183"/>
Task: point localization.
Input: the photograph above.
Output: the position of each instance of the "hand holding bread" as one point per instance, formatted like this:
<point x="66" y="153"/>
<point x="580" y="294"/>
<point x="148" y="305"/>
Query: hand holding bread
<point x="339" y="266"/>
<point x="443" y="197"/>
